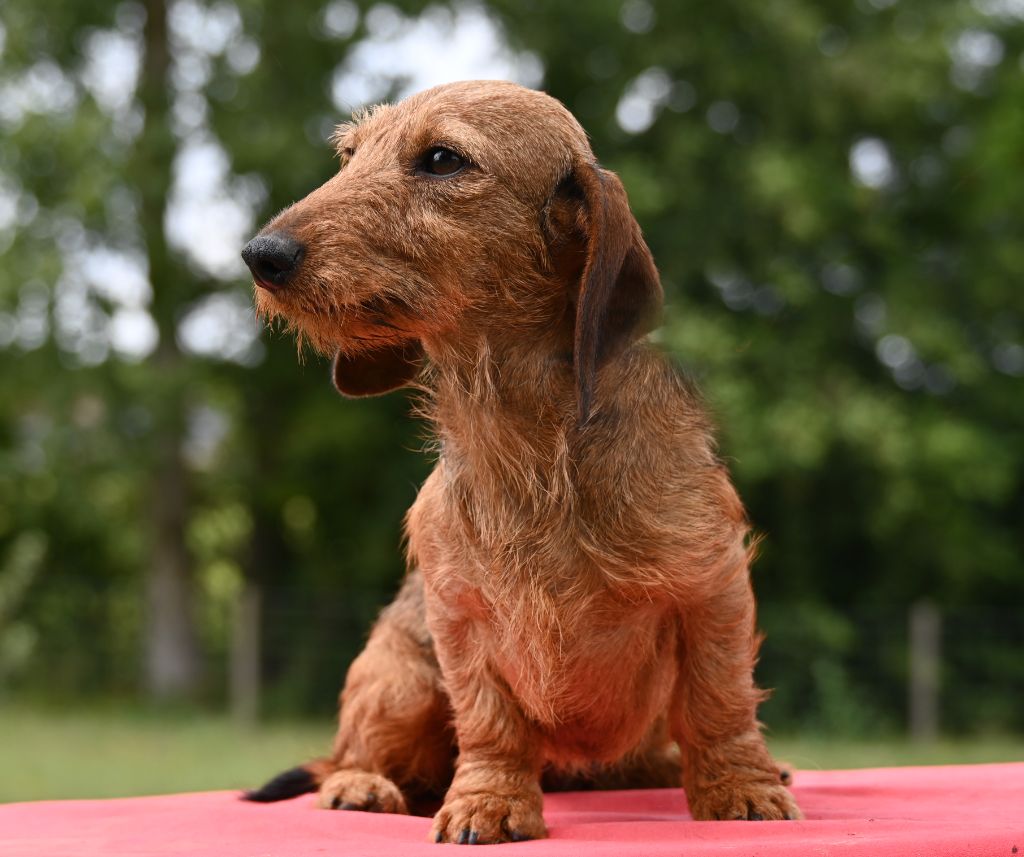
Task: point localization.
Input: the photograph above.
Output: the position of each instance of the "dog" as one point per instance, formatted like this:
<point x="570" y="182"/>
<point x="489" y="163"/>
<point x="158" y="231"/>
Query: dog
<point x="578" y="608"/>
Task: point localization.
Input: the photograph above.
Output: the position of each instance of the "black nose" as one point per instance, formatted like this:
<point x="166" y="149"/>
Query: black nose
<point x="273" y="259"/>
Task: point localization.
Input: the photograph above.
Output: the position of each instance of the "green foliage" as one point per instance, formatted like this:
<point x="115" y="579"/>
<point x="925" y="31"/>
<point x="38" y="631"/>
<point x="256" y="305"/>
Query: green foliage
<point x="832" y="192"/>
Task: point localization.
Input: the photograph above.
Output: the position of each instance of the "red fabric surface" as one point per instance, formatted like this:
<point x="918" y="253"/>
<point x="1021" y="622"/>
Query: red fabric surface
<point x="959" y="811"/>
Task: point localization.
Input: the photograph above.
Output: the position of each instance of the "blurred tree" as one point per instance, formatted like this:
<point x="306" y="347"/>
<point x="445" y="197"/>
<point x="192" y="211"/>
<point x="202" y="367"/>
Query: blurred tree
<point x="17" y="639"/>
<point x="173" y="665"/>
<point x="206" y="463"/>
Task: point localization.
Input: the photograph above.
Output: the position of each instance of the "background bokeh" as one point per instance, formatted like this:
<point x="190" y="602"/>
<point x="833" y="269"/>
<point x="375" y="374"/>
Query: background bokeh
<point x="191" y="519"/>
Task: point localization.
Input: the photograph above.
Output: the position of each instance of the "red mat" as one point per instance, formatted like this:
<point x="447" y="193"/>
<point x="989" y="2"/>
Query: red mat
<point x="957" y="811"/>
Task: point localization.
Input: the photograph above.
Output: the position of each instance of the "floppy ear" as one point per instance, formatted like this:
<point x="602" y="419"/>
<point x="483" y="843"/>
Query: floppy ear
<point x="620" y="293"/>
<point x="377" y="371"/>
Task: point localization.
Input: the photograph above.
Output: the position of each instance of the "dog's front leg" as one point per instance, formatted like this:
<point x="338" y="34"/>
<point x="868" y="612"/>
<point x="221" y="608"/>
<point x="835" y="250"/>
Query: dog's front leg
<point x="727" y="770"/>
<point x="495" y="795"/>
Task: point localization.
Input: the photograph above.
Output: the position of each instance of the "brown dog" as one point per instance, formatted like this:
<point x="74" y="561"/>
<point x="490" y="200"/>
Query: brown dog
<point x="578" y="604"/>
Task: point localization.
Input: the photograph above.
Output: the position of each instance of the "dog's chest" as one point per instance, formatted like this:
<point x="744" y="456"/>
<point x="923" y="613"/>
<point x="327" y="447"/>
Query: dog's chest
<point x="587" y="652"/>
<point x="590" y="671"/>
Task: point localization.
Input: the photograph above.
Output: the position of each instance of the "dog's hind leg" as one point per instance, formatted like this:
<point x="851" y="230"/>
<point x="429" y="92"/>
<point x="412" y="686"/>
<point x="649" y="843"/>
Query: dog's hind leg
<point x="394" y="744"/>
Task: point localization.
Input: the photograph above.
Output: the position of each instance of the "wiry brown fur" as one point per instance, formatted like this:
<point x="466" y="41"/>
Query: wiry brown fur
<point x="579" y="602"/>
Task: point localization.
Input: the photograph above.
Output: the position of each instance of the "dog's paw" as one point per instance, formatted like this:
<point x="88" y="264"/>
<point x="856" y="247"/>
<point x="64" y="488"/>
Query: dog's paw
<point x="483" y="818"/>
<point x="361" y="790"/>
<point x="756" y="801"/>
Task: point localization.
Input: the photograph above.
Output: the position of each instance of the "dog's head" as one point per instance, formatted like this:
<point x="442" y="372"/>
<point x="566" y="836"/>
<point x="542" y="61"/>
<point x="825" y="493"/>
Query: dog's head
<point x="469" y="209"/>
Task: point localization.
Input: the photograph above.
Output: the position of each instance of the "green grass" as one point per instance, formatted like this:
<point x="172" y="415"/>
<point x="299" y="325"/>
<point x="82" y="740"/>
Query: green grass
<point x="820" y="753"/>
<point x="73" y="753"/>
<point x="45" y="753"/>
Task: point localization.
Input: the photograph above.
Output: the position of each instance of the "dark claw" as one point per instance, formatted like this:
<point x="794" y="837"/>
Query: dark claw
<point x="516" y="836"/>
<point x="463" y="837"/>
<point x="474" y="837"/>
<point x="788" y="817"/>
<point x="335" y="802"/>
<point x="755" y="816"/>
<point x="439" y="837"/>
<point x="349" y="805"/>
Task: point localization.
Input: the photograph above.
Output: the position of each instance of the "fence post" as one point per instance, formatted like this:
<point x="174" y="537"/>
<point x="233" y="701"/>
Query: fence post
<point x="244" y="666"/>
<point x="925" y="641"/>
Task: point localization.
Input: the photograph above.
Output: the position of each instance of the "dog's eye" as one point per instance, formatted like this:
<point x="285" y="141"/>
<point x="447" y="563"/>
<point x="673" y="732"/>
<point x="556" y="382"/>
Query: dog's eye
<point x="440" y="161"/>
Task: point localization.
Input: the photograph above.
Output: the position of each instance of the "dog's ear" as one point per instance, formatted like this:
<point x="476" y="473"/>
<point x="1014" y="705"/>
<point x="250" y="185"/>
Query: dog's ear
<point x="377" y="371"/>
<point x="620" y="294"/>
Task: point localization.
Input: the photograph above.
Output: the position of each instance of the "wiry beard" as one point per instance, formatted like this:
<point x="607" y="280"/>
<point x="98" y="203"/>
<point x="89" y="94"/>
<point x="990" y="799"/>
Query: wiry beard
<point x="347" y="328"/>
<point x="309" y="331"/>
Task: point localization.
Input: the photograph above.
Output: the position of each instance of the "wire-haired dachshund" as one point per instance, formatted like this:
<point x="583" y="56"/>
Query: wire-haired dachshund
<point x="578" y="607"/>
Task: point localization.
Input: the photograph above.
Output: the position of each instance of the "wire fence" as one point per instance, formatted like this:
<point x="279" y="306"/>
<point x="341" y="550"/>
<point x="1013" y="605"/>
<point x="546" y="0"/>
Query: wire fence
<point x="854" y="671"/>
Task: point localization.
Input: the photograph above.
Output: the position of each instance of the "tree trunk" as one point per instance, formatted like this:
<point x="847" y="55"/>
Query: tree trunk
<point x="925" y="644"/>
<point x="246" y="674"/>
<point x="172" y="662"/>
<point x="172" y="656"/>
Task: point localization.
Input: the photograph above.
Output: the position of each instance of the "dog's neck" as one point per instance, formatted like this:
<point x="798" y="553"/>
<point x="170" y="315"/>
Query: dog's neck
<point x="506" y="415"/>
<point x="526" y="376"/>
<point x="504" y="408"/>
